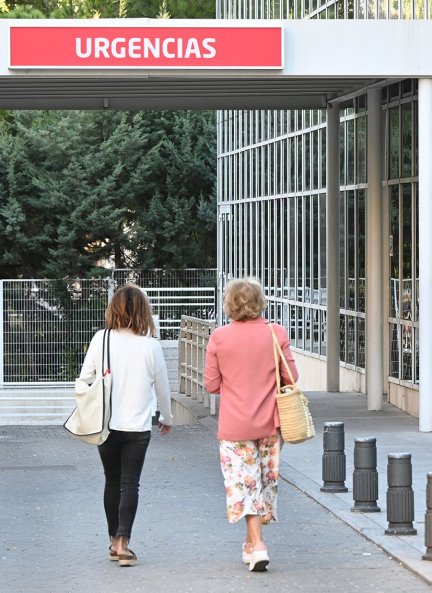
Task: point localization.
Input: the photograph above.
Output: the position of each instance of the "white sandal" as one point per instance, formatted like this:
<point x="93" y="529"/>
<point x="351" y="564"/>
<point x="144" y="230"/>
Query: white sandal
<point x="259" y="561"/>
<point x="246" y="556"/>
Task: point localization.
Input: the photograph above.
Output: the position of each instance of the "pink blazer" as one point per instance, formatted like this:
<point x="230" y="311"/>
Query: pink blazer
<point x="240" y="366"/>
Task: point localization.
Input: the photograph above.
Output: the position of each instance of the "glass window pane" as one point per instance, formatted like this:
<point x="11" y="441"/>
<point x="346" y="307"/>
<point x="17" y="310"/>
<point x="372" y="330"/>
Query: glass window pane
<point x="361" y="251"/>
<point x="308" y="240"/>
<point x="299" y="163"/>
<point x="407" y="252"/>
<point x="315" y="247"/>
<point x="406" y="140"/>
<point x="292" y="248"/>
<point x="394" y="251"/>
<point x="350" y="152"/>
<point x="342" y="336"/>
<point x="361" y="150"/>
<point x="299" y="247"/>
<point x="394" y="143"/>
<point x="351" y="339"/>
<point x="351" y="250"/>
<point x="315" y="159"/>
<point x="342" y="249"/>
<point x="394" y="350"/>
<point x="406" y="352"/>
<point x="323" y="318"/>
<point x="323" y="270"/>
<point x="307" y="172"/>
<point x="323" y="139"/>
<point x="361" y="343"/>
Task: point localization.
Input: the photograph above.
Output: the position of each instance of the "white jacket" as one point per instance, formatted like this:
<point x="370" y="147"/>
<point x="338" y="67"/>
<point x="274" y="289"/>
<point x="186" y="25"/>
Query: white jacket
<point x="139" y="377"/>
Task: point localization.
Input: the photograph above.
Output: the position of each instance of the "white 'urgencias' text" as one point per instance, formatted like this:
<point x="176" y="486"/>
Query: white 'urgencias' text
<point x="138" y="48"/>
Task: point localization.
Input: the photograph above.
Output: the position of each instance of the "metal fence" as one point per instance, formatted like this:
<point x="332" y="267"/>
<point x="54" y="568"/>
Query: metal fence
<point x="46" y="325"/>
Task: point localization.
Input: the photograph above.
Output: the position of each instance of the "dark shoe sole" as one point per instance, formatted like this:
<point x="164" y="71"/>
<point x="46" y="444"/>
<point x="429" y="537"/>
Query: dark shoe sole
<point x="260" y="566"/>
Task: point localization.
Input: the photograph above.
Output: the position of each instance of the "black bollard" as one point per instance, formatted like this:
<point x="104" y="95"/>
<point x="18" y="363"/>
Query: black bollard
<point x="365" y="476"/>
<point x="400" y="495"/>
<point x="428" y="519"/>
<point x="333" y="459"/>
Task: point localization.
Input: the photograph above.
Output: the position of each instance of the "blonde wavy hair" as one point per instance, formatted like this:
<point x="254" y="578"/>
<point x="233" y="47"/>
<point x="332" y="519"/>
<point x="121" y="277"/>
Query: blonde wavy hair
<point x="244" y="299"/>
<point x="130" y="308"/>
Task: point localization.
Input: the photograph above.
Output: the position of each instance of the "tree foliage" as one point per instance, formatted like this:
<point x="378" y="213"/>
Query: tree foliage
<point x="80" y="189"/>
<point x="179" y="9"/>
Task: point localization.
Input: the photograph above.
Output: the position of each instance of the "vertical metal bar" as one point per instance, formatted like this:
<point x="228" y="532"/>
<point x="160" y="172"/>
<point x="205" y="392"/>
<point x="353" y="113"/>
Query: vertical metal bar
<point x="374" y="256"/>
<point x="333" y="263"/>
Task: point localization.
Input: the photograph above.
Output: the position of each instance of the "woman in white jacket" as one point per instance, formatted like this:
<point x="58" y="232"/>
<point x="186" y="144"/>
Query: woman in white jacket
<point x="139" y="377"/>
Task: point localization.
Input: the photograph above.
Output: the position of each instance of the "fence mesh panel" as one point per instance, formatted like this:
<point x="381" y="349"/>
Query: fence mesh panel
<point x="47" y="324"/>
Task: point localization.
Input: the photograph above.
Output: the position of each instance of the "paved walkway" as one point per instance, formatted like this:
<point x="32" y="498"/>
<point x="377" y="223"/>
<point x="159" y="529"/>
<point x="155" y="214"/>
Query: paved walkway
<point x="53" y="537"/>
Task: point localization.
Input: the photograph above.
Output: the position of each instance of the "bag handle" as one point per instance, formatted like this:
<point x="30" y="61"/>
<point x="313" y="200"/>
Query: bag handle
<point x="277" y="352"/>
<point x="106" y="338"/>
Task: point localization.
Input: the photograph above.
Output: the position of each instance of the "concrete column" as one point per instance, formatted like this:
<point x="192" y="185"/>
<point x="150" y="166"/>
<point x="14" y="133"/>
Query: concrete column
<point x="332" y="248"/>
<point x="425" y="252"/>
<point x="375" y="323"/>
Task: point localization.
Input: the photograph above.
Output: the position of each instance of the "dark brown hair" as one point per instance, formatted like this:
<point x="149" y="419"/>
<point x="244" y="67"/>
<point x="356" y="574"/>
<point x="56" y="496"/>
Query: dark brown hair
<point x="130" y="308"/>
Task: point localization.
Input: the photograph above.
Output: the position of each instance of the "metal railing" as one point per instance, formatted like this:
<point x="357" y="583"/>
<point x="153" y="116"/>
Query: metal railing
<point x="194" y="336"/>
<point x="46" y="325"/>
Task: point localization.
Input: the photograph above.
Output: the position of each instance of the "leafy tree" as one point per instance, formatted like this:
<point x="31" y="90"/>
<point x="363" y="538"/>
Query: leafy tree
<point x="23" y="11"/>
<point x="179" y="9"/>
<point x="78" y="189"/>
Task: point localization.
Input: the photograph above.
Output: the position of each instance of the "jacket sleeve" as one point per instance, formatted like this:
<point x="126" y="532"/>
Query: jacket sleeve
<point x="284" y="342"/>
<point x="212" y="375"/>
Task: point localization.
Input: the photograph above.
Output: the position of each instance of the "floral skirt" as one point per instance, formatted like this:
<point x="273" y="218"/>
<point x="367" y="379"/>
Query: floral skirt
<point x="250" y="470"/>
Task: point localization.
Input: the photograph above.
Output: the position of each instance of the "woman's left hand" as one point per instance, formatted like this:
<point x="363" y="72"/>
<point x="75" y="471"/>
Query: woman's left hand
<point x="164" y="428"/>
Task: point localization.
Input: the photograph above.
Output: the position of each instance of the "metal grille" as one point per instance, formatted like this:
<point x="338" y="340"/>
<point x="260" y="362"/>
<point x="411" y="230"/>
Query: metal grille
<point x="46" y="325"/>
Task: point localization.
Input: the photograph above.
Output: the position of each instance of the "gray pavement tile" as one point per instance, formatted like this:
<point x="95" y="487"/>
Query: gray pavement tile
<point x="53" y="534"/>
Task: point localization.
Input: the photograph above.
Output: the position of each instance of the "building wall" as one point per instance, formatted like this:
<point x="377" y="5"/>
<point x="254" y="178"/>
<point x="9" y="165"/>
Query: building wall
<point x="272" y="215"/>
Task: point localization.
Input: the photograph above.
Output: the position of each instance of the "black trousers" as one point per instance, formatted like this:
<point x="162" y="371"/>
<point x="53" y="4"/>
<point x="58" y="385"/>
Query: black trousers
<point x="122" y="456"/>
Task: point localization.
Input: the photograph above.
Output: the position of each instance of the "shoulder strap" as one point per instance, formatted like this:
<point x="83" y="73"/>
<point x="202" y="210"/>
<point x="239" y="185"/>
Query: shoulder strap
<point x="278" y="354"/>
<point x="106" y="338"/>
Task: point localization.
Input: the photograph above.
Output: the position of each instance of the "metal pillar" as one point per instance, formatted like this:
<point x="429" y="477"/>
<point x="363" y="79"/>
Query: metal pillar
<point x="374" y="255"/>
<point x="365" y="476"/>
<point x="334" y="459"/>
<point x="428" y="520"/>
<point x="400" y="495"/>
<point x="332" y="248"/>
<point x="425" y="252"/>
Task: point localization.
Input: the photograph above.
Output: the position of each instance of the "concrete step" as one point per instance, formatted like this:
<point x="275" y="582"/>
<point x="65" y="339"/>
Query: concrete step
<point x="52" y="405"/>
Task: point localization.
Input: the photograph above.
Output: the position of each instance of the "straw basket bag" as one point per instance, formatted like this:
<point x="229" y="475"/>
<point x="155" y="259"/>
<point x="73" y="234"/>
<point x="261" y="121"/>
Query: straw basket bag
<point x="296" y="424"/>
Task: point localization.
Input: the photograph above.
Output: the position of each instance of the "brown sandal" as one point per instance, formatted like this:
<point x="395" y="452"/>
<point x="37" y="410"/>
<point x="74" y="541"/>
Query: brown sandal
<point x="128" y="559"/>
<point x="112" y="555"/>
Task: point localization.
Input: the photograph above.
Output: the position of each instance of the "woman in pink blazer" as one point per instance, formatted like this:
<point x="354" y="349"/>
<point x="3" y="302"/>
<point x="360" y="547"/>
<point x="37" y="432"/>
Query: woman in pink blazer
<point x="240" y="366"/>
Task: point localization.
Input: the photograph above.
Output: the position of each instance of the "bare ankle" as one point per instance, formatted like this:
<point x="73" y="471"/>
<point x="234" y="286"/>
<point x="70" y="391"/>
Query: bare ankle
<point x="260" y="545"/>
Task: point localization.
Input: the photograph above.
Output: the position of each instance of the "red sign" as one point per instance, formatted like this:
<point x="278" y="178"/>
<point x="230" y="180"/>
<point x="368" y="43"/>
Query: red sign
<point x="145" y="47"/>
